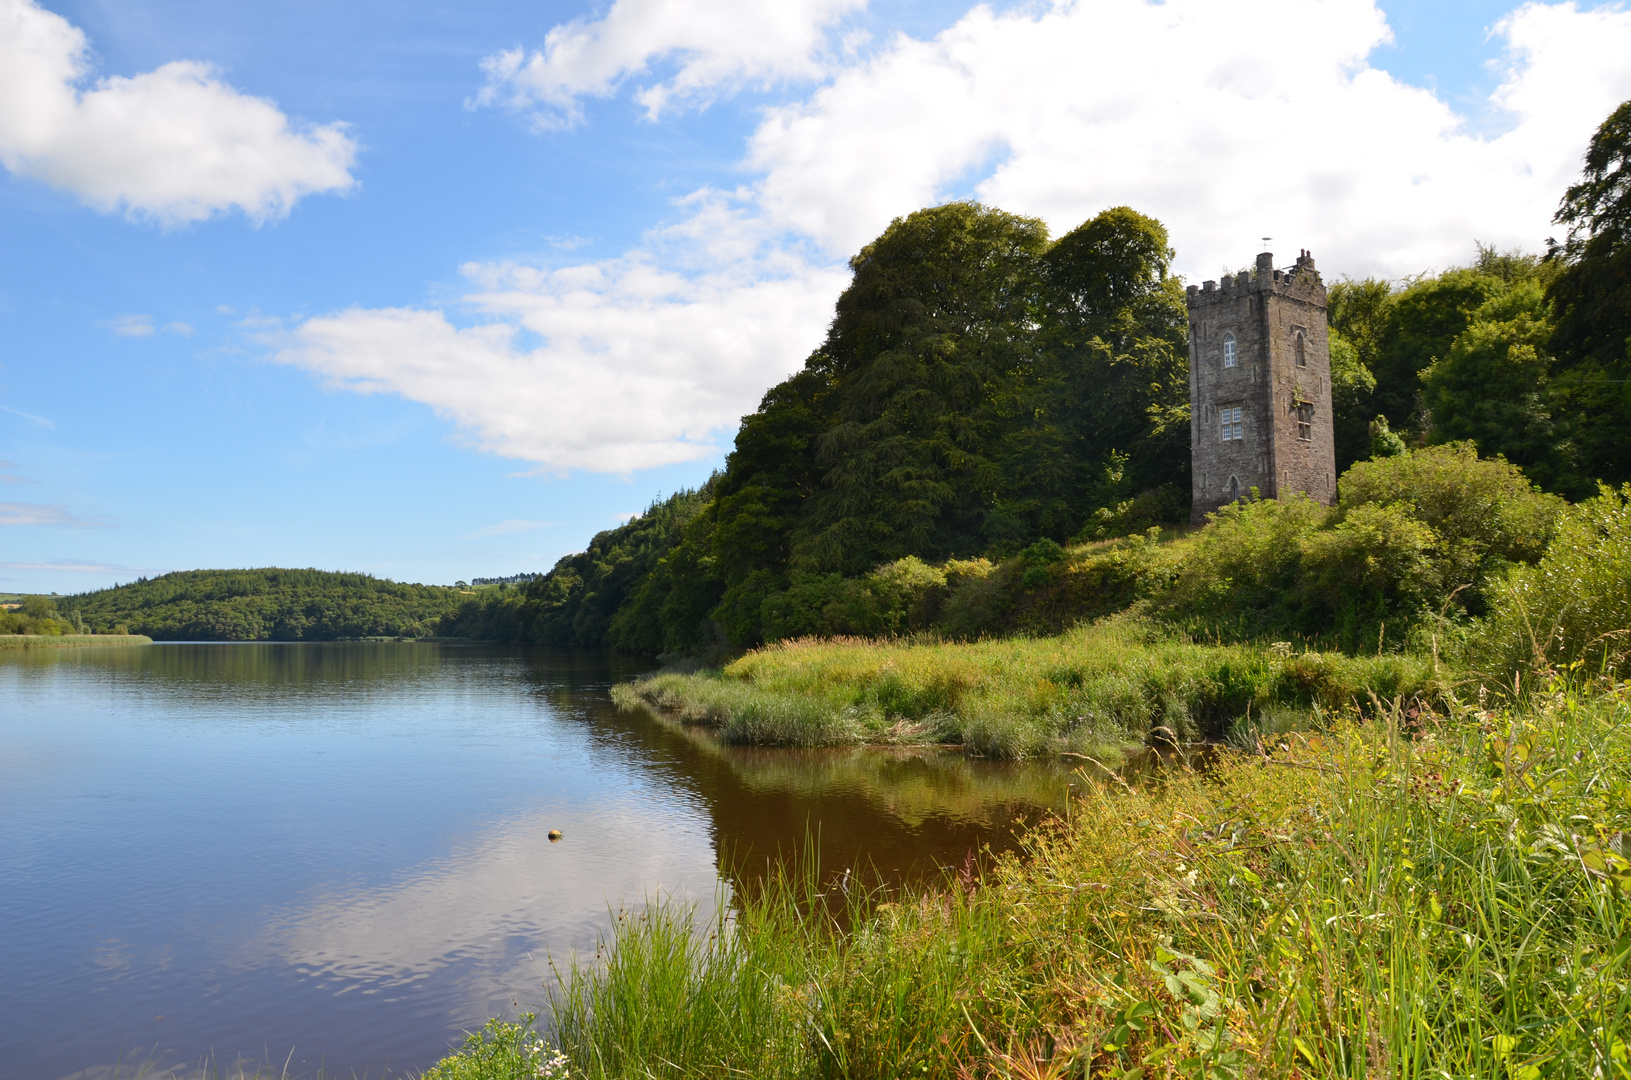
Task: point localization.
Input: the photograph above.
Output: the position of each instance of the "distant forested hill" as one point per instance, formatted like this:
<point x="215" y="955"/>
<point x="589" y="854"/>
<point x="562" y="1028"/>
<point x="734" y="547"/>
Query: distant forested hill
<point x="268" y="604"/>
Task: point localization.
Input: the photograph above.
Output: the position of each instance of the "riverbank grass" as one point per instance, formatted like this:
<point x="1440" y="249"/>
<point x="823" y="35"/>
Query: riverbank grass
<point x="1093" y="689"/>
<point x="1444" y="895"/>
<point x="69" y="641"/>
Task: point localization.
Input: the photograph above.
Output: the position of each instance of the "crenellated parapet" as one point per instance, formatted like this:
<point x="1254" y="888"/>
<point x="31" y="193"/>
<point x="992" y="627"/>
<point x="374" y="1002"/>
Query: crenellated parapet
<point x="1301" y="282"/>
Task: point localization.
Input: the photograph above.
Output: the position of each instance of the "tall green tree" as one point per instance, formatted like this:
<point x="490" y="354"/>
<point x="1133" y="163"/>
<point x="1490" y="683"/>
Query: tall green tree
<point x="1591" y="298"/>
<point x="937" y="323"/>
<point x="1358" y="311"/>
<point x="1493" y="388"/>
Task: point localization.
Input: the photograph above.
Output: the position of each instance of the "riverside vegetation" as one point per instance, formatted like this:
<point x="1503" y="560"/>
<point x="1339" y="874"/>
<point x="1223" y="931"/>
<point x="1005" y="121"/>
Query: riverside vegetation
<point x="1413" y="859"/>
<point x="33" y="622"/>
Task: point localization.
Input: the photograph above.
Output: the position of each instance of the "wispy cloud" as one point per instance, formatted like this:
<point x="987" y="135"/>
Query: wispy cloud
<point x="180" y="329"/>
<point x="8" y="476"/>
<point x="50" y="515"/>
<point x="509" y="528"/>
<point x="30" y="417"/>
<point x="132" y="325"/>
<point x="70" y="566"/>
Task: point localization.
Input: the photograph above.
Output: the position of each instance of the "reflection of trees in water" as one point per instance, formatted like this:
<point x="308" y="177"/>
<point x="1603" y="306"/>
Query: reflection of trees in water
<point x="253" y="667"/>
<point x="900" y="813"/>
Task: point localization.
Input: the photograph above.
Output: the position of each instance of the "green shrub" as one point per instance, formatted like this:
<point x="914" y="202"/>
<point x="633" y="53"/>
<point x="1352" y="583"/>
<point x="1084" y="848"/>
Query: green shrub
<point x="1239" y="575"/>
<point x="1374" y="565"/>
<point x="1412" y="535"/>
<point x="1164" y="505"/>
<point x="1484" y="513"/>
<point x="1572" y="605"/>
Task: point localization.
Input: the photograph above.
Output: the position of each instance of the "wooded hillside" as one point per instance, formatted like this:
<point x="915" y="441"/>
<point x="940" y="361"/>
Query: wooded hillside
<point x="268" y="604"/>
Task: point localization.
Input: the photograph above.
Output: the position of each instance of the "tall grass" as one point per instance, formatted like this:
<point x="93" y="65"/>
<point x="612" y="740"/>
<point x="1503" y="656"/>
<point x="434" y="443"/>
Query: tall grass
<point x="1413" y="896"/>
<point x="1091" y="689"/>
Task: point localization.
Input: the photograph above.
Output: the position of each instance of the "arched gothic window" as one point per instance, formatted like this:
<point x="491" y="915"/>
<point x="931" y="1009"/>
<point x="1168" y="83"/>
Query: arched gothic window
<point x="1302" y="354"/>
<point x="1228" y="350"/>
<point x="1234" y="488"/>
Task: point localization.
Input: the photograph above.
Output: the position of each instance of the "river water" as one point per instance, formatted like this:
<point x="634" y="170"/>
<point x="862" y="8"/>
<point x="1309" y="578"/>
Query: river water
<point x="337" y="855"/>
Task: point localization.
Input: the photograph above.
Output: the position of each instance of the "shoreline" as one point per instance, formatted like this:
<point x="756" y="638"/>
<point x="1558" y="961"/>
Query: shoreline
<point x="69" y="641"/>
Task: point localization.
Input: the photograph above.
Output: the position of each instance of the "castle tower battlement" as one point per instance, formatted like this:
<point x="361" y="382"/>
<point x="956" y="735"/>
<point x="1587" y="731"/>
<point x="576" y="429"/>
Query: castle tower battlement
<point x="1260" y="387"/>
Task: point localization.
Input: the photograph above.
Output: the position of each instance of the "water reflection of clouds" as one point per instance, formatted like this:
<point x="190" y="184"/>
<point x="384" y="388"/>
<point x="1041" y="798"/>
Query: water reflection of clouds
<point x="485" y="908"/>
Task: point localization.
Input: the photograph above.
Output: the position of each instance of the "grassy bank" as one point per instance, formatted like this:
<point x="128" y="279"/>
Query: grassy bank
<point x="1090" y="690"/>
<point x="1440" y="896"/>
<point x="69" y="641"/>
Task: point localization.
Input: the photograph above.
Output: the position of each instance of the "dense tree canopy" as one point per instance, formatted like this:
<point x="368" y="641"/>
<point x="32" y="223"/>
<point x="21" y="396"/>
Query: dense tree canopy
<point x="1591" y="298"/>
<point x="264" y="605"/>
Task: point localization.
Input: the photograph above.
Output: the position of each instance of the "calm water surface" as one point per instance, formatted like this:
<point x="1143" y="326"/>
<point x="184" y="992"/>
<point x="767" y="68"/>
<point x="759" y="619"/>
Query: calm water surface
<point x="228" y="852"/>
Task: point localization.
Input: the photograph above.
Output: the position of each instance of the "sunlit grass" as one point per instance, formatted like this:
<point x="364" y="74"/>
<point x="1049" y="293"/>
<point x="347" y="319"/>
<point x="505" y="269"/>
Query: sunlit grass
<point x="1093" y="689"/>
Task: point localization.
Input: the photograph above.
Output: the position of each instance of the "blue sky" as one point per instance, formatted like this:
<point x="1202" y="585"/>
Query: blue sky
<point x="441" y="291"/>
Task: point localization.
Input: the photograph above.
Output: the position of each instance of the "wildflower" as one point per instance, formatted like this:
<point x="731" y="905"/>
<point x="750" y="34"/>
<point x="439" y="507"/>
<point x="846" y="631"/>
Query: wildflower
<point x="553" y="1067"/>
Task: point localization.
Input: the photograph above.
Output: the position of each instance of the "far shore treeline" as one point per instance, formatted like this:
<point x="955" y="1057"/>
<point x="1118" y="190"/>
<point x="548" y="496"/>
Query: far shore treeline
<point x="251" y="605"/>
<point x="991" y="409"/>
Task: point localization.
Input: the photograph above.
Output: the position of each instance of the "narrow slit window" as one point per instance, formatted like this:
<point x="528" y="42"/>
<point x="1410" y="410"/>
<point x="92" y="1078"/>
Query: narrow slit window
<point x="1301" y="352"/>
<point x="1230" y="426"/>
<point x="1305" y="421"/>
<point x="1228" y="350"/>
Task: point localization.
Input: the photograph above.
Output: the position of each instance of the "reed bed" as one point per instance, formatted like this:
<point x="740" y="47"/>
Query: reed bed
<point x="1408" y="894"/>
<point x="1094" y="689"/>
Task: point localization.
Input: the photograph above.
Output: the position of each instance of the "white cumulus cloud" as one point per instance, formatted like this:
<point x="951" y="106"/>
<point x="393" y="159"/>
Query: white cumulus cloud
<point x="1227" y="119"/>
<point x="714" y="44"/>
<point x="630" y="364"/>
<point x="176" y="144"/>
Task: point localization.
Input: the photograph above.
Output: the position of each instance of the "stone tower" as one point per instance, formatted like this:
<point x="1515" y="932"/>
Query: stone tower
<point x="1260" y="387"/>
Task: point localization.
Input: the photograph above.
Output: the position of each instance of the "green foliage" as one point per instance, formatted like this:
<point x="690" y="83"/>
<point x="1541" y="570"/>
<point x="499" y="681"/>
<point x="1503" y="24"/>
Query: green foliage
<point x="1353" y="392"/>
<point x="1574" y="605"/>
<point x="1384" y="441"/>
<point x="1414" y="535"/>
<point x="1591" y="295"/>
<point x="1458" y="356"/>
<point x="608" y="594"/>
<point x="935" y="325"/>
<point x="36" y="615"/>
<point x="1423" y="321"/>
<point x="501" y="1050"/>
<point x="1492" y="387"/>
<point x="265" y="605"/>
<point x="1098" y="689"/>
<point x="1483" y="513"/>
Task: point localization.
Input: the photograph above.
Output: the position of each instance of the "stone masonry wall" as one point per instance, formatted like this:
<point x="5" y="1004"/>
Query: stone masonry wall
<point x="1266" y="311"/>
